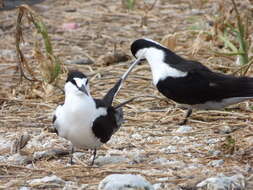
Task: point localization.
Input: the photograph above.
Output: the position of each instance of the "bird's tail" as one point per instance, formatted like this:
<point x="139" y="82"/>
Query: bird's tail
<point x="119" y="111"/>
<point x="125" y="102"/>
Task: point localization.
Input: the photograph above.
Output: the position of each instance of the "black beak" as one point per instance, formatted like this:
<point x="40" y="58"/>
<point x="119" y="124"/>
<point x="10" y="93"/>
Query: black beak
<point x="83" y="89"/>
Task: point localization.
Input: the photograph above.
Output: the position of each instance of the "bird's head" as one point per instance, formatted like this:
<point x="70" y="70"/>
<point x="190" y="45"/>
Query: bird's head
<point x="141" y="47"/>
<point x="77" y="83"/>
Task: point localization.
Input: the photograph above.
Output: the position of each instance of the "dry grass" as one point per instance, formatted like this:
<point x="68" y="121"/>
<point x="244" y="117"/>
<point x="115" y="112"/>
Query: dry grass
<point x="107" y="27"/>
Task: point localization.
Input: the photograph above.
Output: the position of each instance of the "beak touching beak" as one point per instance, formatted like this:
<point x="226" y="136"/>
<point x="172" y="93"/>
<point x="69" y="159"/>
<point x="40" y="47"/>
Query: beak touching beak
<point x="83" y="89"/>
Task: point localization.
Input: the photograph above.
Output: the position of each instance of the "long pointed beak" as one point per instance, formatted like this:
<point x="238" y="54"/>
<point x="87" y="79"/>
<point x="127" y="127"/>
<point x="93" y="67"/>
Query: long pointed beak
<point x="83" y="89"/>
<point x="131" y="68"/>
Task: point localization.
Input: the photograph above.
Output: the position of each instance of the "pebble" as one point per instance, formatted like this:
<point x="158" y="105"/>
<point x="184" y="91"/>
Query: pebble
<point x="212" y="141"/>
<point x="73" y="185"/>
<point x="183" y="129"/>
<point x="24" y="188"/>
<point x="70" y="26"/>
<point x="8" y="54"/>
<point x="83" y="61"/>
<point x="125" y="181"/>
<point x="19" y="159"/>
<point x="216" y="163"/>
<point x="222" y="182"/>
<point x="103" y="160"/>
<point x="225" y="130"/>
<point x="169" y="149"/>
<point x="47" y="179"/>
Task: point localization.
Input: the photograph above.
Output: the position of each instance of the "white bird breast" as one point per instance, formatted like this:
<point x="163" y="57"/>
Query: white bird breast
<point x="75" y="119"/>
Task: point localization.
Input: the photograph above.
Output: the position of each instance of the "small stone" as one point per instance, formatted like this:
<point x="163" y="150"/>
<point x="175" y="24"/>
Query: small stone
<point x="47" y="179"/>
<point x="184" y="129"/>
<point x="215" y="152"/>
<point x="212" y="141"/>
<point x="8" y="54"/>
<point x="136" y="136"/>
<point x="103" y="160"/>
<point x="157" y="186"/>
<point x="83" y="61"/>
<point x="216" y="163"/>
<point x="24" y="188"/>
<point x="222" y="182"/>
<point x="170" y="149"/>
<point x="70" y="26"/>
<point x="19" y="159"/>
<point x="73" y="185"/>
<point x="225" y="130"/>
<point x="125" y="181"/>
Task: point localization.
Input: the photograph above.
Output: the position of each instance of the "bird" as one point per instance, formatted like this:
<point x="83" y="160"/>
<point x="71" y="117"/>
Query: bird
<point x="87" y="122"/>
<point x="189" y="82"/>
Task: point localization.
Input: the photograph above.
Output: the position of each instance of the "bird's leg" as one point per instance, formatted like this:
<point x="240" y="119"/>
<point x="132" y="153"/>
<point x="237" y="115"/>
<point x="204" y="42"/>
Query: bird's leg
<point x="94" y="156"/>
<point x="71" y="155"/>
<point x="188" y="113"/>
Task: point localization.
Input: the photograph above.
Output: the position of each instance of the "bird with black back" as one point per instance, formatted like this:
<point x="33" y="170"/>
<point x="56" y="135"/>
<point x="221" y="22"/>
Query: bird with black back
<point x="190" y="82"/>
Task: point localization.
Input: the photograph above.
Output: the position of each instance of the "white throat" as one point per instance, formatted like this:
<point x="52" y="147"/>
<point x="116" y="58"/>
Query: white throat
<point x="160" y="69"/>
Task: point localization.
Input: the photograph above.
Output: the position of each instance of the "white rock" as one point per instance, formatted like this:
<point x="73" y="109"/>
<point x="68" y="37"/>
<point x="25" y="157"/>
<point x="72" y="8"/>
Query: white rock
<point x="47" y="179"/>
<point x="6" y="53"/>
<point x="160" y="161"/>
<point x="137" y="156"/>
<point x="73" y="185"/>
<point x="169" y="149"/>
<point x="103" y="160"/>
<point x="222" y="182"/>
<point x="157" y="186"/>
<point x="136" y="136"/>
<point x="19" y="159"/>
<point x="183" y="129"/>
<point x="124" y="181"/>
<point x="212" y="141"/>
<point x="216" y="163"/>
<point x="4" y="143"/>
<point x="24" y="188"/>
<point x="225" y="130"/>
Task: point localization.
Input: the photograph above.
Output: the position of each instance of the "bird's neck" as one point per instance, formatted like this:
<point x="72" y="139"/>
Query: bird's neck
<point x="160" y="69"/>
<point x="74" y="100"/>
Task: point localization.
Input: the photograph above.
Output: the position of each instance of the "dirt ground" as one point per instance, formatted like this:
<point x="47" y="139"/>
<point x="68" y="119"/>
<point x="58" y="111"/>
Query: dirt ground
<point x="149" y="138"/>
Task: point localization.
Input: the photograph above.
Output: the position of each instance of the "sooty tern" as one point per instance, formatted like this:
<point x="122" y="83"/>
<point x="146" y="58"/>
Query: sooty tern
<point x="189" y="82"/>
<point x="85" y="121"/>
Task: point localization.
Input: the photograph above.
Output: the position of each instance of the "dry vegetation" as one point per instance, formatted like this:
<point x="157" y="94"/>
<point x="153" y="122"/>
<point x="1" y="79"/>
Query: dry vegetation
<point x="191" y="28"/>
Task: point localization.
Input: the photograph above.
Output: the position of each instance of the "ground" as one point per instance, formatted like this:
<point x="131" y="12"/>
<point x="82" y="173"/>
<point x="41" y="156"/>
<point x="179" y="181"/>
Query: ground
<point x="150" y="143"/>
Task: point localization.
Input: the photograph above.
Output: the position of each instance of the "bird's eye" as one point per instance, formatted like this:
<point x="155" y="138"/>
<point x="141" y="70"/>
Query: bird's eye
<point x="74" y="82"/>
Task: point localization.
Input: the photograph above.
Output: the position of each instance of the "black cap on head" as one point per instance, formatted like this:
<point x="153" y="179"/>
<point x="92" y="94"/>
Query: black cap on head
<point x="143" y="43"/>
<point x="75" y="74"/>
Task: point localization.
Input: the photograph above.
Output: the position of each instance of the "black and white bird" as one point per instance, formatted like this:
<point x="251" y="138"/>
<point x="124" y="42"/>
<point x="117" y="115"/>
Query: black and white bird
<point x="85" y="121"/>
<point x="189" y="82"/>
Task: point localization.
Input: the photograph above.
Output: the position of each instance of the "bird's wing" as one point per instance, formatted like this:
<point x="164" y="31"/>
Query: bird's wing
<point x="190" y="66"/>
<point x="104" y="126"/>
<point x="202" y="85"/>
<point x="54" y="121"/>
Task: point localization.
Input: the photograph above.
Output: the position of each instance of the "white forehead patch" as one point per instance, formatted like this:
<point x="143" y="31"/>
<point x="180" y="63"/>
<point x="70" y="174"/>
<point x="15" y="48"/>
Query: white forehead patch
<point x="80" y="81"/>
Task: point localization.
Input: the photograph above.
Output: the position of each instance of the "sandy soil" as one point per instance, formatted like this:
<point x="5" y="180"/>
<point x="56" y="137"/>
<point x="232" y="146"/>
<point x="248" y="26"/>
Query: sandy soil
<point x="149" y="140"/>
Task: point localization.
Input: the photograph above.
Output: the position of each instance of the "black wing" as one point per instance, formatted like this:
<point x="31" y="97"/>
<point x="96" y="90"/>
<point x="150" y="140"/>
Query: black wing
<point x="201" y="85"/>
<point x="108" y="98"/>
<point x="105" y="126"/>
